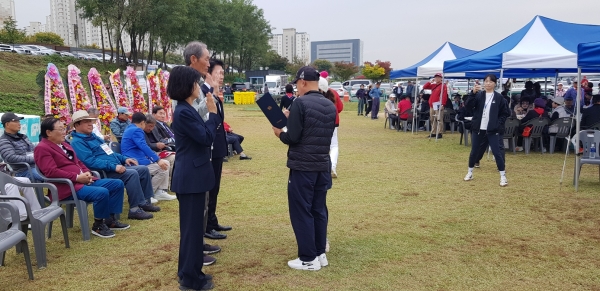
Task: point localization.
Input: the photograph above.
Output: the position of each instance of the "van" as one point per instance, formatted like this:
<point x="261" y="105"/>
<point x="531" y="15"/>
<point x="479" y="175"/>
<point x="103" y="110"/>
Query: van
<point x="348" y="84"/>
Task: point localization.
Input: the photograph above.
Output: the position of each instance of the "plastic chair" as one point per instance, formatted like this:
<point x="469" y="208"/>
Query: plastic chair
<point x="510" y="132"/>
<point x="70" y="205"/>
<point x="14" y="237"/>
<point x="408" y="119"/>
<point x="586" y="138"/>
<point x="449" y="118"/>
<point x="595" y="126"/>
<point x="39" y="218"/>
<point x="115" y="147"/>
<point x="465" y="132"/>
<point x="535" y="133"/>
<point x="563" y="127"/>
<point x="424" y="116"/>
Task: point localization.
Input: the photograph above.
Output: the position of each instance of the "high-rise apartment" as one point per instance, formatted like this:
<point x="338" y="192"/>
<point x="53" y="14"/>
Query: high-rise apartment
<point x="291" y="45"/>
<point x="7" y="9"/>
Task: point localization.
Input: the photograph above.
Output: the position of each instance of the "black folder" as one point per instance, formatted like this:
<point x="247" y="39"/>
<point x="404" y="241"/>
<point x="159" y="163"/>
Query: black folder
<point x="272" y="111"/>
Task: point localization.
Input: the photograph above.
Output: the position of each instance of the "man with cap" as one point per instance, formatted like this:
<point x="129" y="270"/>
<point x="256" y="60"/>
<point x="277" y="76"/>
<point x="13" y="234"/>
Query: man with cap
<point x="558" y="108"/>
<point x="436" y="113"/>
<point x="119" y="124"/>
<point x="392" y="110"/>
<point x="95" y="154"/>
<point x="560" y="91"/>
<point x="15" y="147"/>
<point x="310" y="126"/>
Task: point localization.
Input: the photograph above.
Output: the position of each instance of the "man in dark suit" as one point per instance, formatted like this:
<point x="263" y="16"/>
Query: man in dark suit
<point x="219" y="151"/>
<point x="162" y="129"/>
<point x="193" y="175"/>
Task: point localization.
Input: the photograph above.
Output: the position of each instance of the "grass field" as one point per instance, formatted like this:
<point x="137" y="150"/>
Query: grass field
<point x="401" y="218"/>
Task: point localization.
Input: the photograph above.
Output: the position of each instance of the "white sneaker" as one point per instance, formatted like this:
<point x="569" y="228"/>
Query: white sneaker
<point x="323" y="260"/>
<point x="327" y="246"/>
<point x="162" y="195"/>
<point x="393" y="127"/>
<point x="503" y="181"/>
<point x="153" y="201"/>
<point x="469" y="176"/>
<point x="519" y="149"/>
<point x="313" y="265"/>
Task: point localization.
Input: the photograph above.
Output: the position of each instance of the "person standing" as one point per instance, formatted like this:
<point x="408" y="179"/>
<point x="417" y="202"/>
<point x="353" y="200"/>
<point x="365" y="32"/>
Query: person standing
<point x="560" y="91"/>
<point x="288" y="98"/>
<point x="490" y="112"/>
<point x="375" y="94"/>
<point x="334" y="97"/>
<point x="410" y="90"/>
<point x="310" y="126"/>
<point x="193" y="175"/>
<point x="369" y="103"/>
<point x="219" y="151"/>
<point x="436" y="106"/>
<point x="361" y="95"/>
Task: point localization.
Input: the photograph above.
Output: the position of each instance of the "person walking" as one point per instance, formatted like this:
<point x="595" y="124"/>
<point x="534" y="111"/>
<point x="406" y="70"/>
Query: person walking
<point x="310" y="126"/>
<point x="375" y="94"/>
<point x="490" y="111"/>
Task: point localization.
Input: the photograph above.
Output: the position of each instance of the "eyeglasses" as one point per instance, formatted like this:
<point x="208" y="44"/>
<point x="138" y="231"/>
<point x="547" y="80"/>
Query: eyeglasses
<point x="61" y="129"/>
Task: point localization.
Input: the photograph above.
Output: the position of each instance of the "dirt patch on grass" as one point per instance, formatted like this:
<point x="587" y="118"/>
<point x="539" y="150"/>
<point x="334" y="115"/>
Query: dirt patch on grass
<point x="238" y="173"/>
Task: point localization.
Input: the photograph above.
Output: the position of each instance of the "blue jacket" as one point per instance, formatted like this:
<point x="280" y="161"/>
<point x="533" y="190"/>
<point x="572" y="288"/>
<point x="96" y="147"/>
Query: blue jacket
<point x="134" y="145"/>
<point x="193" y="172"/>
<point x="118" y="127"/>
<point x="89" y="151"/>
<point x="375" y="92"/>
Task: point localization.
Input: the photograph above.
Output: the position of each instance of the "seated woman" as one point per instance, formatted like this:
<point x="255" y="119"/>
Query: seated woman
<point x="235" y="140"/>
<point x="538" y="110"/>
<point x="522" y="108"/>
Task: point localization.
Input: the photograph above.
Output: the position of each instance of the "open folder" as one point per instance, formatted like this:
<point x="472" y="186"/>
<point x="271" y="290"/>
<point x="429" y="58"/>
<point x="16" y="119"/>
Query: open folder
<point x="271" y="110"/>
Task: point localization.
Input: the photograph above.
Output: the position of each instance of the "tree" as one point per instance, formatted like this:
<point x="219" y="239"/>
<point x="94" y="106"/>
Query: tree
<point x="344" y="70"/>
<point x="293" y="67"/>
<point x="387" y="66"/>
<point x="10" y="33"/>
<point x="322" y="65"/>
<point x="48" y="38"/>
<point x="374" y="73"/>
<point x="274" y="61"/>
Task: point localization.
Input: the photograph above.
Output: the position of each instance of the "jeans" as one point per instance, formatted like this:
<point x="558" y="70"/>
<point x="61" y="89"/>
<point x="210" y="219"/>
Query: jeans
<point x="361" y="105"/>
<point x="34" y="173"/>
<point x="494" y="140"/>
<point x="138" y="184"/>
<point x="235" y="140"/>
<point x="375" y="108"/>
<point x="107" y="196"/>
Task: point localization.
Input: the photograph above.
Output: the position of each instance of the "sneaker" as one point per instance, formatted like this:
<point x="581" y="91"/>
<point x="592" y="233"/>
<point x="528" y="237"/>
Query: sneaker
<point x="114" y="224"/>
<point x="102" y="231"/>
<point x="519" y="149"/>
<point x="208" y="286"/>
<point x="393" y="127"/>
<point x="162" y="195"/>
<point x="209" y="249"/>
<point x="150" y="208"/>
<point x="323" y="260"/>
<point x="153" y="201"/>
<point x="503" y="181"/>
<point x="476" y="165"/>
<point x="327" y="246"/>
<point x="333" y="174"/>
<point x="208" y="260"/>
<point x="298" y="264"/>
<point x="469" y="176"/>
<point x="139" y="214"/>
<point x="439" y="135"/>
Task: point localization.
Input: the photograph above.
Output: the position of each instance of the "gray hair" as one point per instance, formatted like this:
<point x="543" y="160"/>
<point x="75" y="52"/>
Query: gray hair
<point x="150" y="119"/>
<point x="93" y="110"/>
<point x="194" y="48"/>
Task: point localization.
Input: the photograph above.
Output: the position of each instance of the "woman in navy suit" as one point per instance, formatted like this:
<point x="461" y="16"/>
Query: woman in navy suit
<point x="193" y="175"/>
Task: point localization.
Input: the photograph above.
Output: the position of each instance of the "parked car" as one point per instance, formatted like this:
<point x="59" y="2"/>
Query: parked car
<point x="239" y="87"/>
<point x="337" y="86"/>
<point x="348" y="84"/>
<point x="66" y="54"/>
<point x="386" y="88"/>
<point x="460" y="88"/>
<point x="14" y="49"/>
<point x="355" y="88"/>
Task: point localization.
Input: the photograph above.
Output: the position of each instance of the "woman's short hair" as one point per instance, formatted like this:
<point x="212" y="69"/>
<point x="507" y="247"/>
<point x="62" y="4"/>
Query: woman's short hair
<point x="156" y="109"/>
<point x="182" y="82"/>
<point x="528" y="85"/>
<point x="492" y="78"/>
<point x="47" y="124"/>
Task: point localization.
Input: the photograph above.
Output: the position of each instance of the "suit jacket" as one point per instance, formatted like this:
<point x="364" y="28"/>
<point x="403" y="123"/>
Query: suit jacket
<point x="220" y="144"/>
<point x="160" y="131"/>
<point x="193" y="172"/>
<point x="52" y="162"/>
<point x="152" y="139"/>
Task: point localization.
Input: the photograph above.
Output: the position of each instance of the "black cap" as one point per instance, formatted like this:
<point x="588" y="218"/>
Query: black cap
<point x="9" y="116"/>
<point x="307" y="74"/>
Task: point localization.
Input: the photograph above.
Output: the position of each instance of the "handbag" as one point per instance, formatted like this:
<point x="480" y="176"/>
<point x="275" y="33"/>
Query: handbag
<point x="527" y="131"/>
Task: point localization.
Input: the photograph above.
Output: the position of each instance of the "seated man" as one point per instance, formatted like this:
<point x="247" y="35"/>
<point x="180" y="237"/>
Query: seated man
<point x="28" y="194"/>
<point x="235" y="140"/>
<point x="56" y="159"/>
<point x="164" y="151"/>
<point x="134" y="145"/>
<point x="162" y="130"/>
<point x="392" y="110"/>
<point x="119" y="124"/>
<point x="97" y="155"/>
<point x="15" y="147"/>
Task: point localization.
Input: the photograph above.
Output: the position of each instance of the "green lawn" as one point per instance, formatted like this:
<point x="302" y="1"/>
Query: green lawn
<point x="401" y="218"/>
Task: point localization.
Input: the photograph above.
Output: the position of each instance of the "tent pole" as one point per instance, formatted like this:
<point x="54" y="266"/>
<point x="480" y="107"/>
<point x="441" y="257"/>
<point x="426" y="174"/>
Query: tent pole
<point x="546" y="86"/>
<point x="555" y="83"/>
<point x="577" y="128"/>
<point x="501" y="76"/>
<point x="415" y="89"/>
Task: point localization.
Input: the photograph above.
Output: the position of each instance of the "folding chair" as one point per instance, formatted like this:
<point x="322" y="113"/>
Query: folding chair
<point x="586" y="138"/>
<point x="535" y="133"/>
<point x="510" y="132"/>
<point x="559" y="129"/>
<point x="14" y="237"/>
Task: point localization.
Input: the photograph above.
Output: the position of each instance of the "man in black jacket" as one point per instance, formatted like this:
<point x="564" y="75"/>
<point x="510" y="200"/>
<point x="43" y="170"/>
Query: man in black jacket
<point x="310" y="126"/>
<point x="288" y="98"/>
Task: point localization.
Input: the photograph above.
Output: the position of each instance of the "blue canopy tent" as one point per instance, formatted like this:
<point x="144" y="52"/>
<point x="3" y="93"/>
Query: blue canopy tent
<point x="542" y="48"/>
<point x="433" y="63"/>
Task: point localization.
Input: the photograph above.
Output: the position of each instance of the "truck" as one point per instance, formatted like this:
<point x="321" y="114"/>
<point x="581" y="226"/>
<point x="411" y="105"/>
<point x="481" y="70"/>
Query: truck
<point x="276" y="84"/>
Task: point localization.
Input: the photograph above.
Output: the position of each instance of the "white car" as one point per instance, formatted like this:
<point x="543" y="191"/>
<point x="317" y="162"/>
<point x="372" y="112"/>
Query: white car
<point x="14" y="49"/>
<point x="386" y="88"/>
<point x="66" y="54"/>
<point x="337" y="86"/>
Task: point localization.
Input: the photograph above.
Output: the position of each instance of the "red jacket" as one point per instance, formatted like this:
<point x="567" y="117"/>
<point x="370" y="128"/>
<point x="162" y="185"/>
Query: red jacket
<point x="226" y="127"/>
<point x="402" y="107"/>
<point x="435" y="93"/>
<point x="52" y="162"/>
<point x="339" y="105"/>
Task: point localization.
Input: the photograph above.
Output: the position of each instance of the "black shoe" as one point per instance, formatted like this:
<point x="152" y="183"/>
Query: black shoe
<point x="432" y="135"/>
<point x="439" y="135"/>
<point x="213" y="234"/>
<point x="101" y="230"/>
<point x="208" y="286"/>
<point x="114" y="224"/>
<point x="208" y="260"/>
<point x="245" y="158"/>
<point x="150" y="208"/>
<point x="208" y="277"/>
<point x="210" y="249"/>
<point x="223" y="227"/>
<point x="140" y="214"/>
